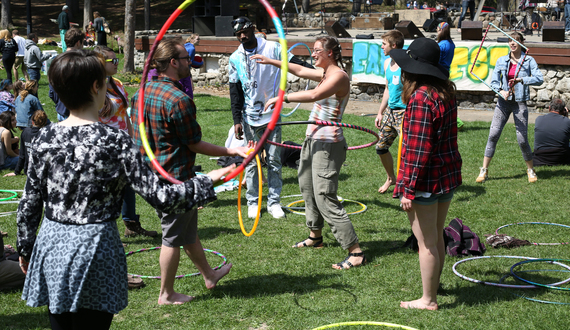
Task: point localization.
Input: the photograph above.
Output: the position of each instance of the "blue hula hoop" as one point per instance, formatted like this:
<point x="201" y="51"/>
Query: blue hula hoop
<point x="533" y="299"/>
<point x="549" y="260"/>
<point x="308" y="81"/>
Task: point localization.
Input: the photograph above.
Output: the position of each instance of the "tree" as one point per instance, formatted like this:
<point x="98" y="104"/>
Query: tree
<point x="147" y="14"/>
<point x="87" y="12"/>
<point x="305" y="6"/>
<point x="130" y="14"/>
<point x="5" y="15"/>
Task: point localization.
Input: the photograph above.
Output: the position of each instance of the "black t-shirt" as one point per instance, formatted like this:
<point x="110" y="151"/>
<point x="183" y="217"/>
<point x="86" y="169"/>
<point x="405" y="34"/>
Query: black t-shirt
<point x="8" y="48"/>
<point x="551" y="131"/>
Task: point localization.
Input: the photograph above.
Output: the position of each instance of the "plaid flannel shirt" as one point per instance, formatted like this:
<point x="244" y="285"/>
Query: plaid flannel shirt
<point x="430" y="157"/>
<point x="170" y="123"/>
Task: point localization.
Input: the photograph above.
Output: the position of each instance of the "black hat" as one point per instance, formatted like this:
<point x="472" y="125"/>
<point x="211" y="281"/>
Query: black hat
<point x="421" y="57"/>
<point x="241" y="23"/>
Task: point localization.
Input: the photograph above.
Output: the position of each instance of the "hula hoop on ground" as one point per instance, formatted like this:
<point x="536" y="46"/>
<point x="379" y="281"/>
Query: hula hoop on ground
<point x="384" y="324"/>
<point x="549" y="260"/>
<point x="302" y="207"/>
<point x="533" y="299"/>
<point x="15" y="194"/>
<point x="277" y="109"/>
<point x="5" y="214"/>
<point x="224" y="261"/>
<point x="292" y="210"/>
<point x="535" y="223"/>
<point x="327" y="123"/>
<point x="260" y="179"/>
<point x="513" y="286"/>
<point x="308" y="81"/>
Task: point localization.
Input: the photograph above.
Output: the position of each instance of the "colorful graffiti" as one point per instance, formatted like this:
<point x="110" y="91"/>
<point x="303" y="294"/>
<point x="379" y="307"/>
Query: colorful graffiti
<point x="368" y="56"/>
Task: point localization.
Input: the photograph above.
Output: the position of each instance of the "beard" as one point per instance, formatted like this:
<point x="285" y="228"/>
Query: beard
<point x="183" y="72"/>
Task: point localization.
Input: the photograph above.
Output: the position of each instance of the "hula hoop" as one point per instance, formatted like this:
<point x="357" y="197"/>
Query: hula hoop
<point x="5" y="214"/>
<point x="481" y="46"/>
<point x="549" y="260"/>
<point x="15" y="194"/>
<point x="292" y="210"/>
<point x="400" y="143"/>
<point x="500" y="285"/>
<point x="277" y="109"/>
<point x="327" y="123"/>
<point x="308" y="81"/>
<point x="390" y="325"/>
<point x="260" y="179"/>
<point x="302" y="207"/>
<point x="224" y="261"/>
<point x="533" y="299"/>
<point x="535" y="223"/>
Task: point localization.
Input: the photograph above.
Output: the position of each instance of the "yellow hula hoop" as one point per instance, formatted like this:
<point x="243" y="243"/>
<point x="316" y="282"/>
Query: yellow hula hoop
<point x="259" y="177"/>
<point x="400" y="148"/>
<point x="363" y="209"/>
<point x="390" y="325"/>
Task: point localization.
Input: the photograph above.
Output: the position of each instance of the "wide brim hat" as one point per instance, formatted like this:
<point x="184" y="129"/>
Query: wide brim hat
<point x="421" y="57"/>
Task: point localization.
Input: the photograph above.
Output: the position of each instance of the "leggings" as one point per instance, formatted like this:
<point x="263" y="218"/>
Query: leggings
<point x="84" y="319"/>
<point x="502" y="112"/>
<point x="8" y="62"/>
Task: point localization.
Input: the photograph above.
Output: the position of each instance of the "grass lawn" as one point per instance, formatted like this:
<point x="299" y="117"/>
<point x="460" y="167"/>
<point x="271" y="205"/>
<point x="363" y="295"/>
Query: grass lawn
<point x="272" y="286"/>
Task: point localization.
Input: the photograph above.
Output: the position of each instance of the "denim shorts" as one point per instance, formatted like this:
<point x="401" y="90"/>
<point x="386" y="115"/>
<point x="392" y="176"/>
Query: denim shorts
<point x="434" y="198"/>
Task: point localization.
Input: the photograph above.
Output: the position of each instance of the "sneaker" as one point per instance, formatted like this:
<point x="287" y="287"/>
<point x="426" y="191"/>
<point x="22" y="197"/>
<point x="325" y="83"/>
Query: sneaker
<point x="252" y="211"/>
<point x="483" y="175"/>
<point x="133" y="228"/>
<point x="276" y="211"/>
<point x="531" y="175"/>
<point x="567" y="32"/>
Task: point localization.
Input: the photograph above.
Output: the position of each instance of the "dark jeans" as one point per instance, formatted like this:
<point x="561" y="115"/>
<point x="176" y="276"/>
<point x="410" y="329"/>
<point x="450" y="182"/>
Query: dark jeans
<point x="34" y="74"/>
<point x="129" y="210"/>
<point x="465" y="5"/>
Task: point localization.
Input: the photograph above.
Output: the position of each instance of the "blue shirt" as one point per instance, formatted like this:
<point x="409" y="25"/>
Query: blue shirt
<point x="446" y="52"/>
<point x="394" y="85"/>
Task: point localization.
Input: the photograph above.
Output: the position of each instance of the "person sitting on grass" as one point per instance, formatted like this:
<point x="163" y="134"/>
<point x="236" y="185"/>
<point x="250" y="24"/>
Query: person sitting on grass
<point x="39" y="120"/>
<point x="26" y="104"/>
<point x="552" y="136"/>
<point x="8" y="155"/>
<point x="6" y="98"/>
<point x="77" y="173"/>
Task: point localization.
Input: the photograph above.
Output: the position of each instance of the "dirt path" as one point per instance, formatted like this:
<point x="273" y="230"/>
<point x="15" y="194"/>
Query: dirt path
<point x="371" y="108"/>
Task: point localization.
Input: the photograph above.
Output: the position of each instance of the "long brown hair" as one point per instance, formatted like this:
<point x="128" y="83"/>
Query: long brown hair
<point x="331" y="43"/>
<point x="411" y="82"/>
<point x="28" y="87"/>
<point x="108" y="108"/>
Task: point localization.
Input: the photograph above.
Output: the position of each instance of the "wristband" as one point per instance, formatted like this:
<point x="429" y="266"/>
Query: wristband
<point x="286" y="98"/>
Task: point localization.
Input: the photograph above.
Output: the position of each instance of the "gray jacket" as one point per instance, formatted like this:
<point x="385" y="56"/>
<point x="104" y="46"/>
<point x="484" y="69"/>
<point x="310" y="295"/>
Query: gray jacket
<point x="34" y="57"/>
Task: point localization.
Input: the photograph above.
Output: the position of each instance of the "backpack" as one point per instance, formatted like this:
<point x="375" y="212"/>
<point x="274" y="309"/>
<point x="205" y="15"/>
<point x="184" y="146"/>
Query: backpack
<point x="105" y="26"/>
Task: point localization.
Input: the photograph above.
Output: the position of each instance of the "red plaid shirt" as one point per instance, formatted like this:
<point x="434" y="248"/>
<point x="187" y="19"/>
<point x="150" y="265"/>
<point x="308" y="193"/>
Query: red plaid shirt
<point x="430" y="157"/>
<point x="170" y="123"/>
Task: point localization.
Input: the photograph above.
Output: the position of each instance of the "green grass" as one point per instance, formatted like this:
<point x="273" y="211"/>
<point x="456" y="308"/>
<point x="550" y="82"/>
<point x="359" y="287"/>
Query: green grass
<point x="272" y="286"/>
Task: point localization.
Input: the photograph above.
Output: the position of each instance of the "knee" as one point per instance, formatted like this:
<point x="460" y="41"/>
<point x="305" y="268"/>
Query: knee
<point x="381" y="151"/>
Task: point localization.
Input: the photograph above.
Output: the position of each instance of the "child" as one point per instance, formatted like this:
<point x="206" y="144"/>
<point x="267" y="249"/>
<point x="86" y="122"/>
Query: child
<point x="27" y="104"/>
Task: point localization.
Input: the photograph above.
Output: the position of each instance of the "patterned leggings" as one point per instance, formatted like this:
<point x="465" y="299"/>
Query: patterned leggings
<point x="520" y="115"/>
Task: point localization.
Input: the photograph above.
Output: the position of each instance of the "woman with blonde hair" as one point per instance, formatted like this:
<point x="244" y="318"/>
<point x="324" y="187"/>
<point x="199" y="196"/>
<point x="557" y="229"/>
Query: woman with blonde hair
<point x="8" y="48"/>
<point x="27" y="103"/>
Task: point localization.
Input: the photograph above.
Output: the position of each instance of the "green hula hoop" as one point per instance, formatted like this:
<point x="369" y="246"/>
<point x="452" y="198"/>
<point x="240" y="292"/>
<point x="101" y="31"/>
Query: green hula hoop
<point x="383" y="324"/>
<point x="15" y="194"/>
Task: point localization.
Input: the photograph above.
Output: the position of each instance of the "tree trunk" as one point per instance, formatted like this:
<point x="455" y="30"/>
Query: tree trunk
<point x="87" y="13"/>
<point x="147" y="14"/>
<point x="5" y="16"/>
<point x="73" y="9"/>
<point x="305" y="6"/>
<point x="130" y="14"/>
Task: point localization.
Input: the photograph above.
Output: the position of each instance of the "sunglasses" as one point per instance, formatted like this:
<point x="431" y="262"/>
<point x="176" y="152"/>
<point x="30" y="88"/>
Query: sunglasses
<point x="115" y="61"/>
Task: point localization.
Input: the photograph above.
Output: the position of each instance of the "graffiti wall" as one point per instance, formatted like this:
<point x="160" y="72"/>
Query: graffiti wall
<point x="367" y="59"/>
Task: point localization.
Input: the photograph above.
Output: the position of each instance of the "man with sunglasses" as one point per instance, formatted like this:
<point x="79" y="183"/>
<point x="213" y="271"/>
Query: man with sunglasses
<point x="74" y="39"/>
<point x="176" y="137"/>
<point x="251" y="85"/>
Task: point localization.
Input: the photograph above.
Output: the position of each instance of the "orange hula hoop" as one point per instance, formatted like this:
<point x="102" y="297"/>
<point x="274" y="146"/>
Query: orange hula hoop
<point x="259" y="177"/>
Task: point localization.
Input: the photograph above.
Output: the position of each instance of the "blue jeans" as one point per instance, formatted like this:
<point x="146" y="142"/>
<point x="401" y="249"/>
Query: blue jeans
<point x="10" y="163"/>
<point x="464" y="6"/>
<point x="254" y="133"/>
<point x="129" y="210"/>
<point x="34" y="74"/>
<point x="567" y="16"/>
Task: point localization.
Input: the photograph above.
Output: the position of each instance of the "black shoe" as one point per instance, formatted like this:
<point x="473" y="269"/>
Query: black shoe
<point x="133" y="228"/>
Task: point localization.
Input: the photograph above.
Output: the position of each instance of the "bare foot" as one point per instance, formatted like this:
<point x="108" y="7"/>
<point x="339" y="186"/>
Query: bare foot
<point x="355" y="261"/>
<point x="386" y="185"/>
<point x="418" y="304"/>
<point x="218" y="274"/>
<point x="174" y="299"/>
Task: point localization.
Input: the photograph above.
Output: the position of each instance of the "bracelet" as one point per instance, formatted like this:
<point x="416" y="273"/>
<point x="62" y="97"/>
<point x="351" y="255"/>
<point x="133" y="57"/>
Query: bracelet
<point x="286" y="98"/>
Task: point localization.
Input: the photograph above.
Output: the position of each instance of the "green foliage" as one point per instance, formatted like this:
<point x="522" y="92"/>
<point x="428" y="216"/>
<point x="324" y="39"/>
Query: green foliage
<point x="272" y="286"/>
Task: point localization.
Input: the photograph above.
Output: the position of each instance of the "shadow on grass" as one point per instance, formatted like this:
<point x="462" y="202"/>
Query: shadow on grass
<point x="548" y="172"/>
<point x="467" y="128"/>
<point x="38" y="320"/>
<point x="210" y="233"/>
<point x="275" y="285"/>
<point x="472" y="191"/>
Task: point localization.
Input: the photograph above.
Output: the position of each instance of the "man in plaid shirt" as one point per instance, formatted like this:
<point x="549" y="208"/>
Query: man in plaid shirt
<point x="176" y="137"/>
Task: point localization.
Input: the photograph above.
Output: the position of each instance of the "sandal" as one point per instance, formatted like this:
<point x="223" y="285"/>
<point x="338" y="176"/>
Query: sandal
<point x="345" y="262"/>
<point x="318" y="242"/>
